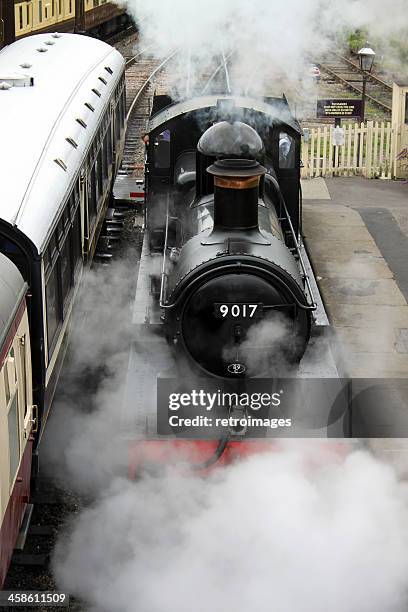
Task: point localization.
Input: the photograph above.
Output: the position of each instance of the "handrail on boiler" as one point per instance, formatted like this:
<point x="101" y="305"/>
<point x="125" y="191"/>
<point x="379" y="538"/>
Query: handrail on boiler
<point x="313" y="305"/>
<point x="163" y="272"/>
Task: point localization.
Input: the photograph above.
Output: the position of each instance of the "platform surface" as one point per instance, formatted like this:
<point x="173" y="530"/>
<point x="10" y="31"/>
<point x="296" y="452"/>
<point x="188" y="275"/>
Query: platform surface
<point x="358" y="243"/>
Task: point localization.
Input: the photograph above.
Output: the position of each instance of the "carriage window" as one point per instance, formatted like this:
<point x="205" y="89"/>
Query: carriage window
<point x="66" y="272"/>
<point x="71" y="205"/>
<point x="123" y="105"/>
<point x="99" y="172"/>
<point x="77" y="191"/>
<point x="28" y="14"/>
<point x="39" y="10"/>
<point x="60" y="6"/>
<point x="109" y="145"/>
<point x="14" y="438"/>
<point x="96" y="183"/>
<point x="20" y="17"/>
<point x="51" y="296"/>
<point x="117" y="123"/>
<point x="74" y="198"/>
<point x="76" y="240"/>
<point x="65" y="216"/>
<point x="162" y="150"/>
<point x="52" y="246"/>
<point x="6" y="384"/>
<point x="60" y="229"/>
<point x="105" y="156"/>
<point x="92" y="196"/>
<point x="286" y="151"/>
<point x="51" y="252"/>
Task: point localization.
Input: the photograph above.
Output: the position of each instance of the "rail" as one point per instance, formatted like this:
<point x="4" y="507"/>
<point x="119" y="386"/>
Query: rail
<point x="227" y="77"/>
<point x="130" y="61"/>
<point x="222" y="65"/>
<point x="349" y="85"/>
<point x="148" y="81"/>
<point x="370" y="75"/>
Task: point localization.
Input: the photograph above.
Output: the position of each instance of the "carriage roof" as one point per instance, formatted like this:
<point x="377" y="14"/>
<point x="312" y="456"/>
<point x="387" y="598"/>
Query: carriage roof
<point x="45" y="81"/>
<point x="12" y="291"/>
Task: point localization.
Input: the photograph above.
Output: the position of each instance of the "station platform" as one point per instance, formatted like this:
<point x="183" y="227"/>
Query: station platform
<point x="356" y="233"/>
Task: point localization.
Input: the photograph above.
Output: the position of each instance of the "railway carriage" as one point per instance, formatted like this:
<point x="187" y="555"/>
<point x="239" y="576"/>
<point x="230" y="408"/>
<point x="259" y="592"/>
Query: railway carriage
<point x="61" y="145"/>
<point x="62" y="141"/>
<point x="96" y="17"/>
<point x="17" y="413"/>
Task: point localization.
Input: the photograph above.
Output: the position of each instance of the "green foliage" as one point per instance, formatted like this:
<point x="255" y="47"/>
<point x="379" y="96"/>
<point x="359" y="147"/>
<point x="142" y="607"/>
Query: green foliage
<point x="357" y="40"/>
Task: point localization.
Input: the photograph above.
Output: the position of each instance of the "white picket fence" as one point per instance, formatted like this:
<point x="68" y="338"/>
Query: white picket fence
<point x="368" y="150"/>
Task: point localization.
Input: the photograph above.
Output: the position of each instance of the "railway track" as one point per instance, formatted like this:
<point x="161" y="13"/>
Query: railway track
<point x="142" y="72"/>
<point x="347" y="73"/>
<point x="122" y="39"/>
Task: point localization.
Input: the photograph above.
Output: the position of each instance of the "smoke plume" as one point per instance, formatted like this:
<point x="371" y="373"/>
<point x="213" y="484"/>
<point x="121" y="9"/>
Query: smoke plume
<point x="270" y="42"/>
<point x="89" y="410"/>
<point x="272" y="532"/>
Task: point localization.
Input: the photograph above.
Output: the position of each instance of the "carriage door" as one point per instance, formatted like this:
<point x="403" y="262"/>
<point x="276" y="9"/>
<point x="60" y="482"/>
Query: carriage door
<point x="4" y="482"/>
<point x="25" y="385"/>
<point x="12" y="413"/>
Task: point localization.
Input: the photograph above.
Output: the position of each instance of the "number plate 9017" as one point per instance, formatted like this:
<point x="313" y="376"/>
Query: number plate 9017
<point x="238" y="311"/>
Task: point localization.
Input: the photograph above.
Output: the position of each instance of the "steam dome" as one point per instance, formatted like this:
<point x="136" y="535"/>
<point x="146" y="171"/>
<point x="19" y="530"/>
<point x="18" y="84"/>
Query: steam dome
<point x="226" y="139"/>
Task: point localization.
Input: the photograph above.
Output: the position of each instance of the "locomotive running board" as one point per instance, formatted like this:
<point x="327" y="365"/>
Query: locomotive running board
<point x="146" y="310"/>
<point x="320" y="319"/>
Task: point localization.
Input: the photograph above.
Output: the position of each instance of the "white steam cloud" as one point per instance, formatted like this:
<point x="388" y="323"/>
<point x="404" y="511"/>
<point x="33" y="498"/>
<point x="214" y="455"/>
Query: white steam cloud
<point x="263" y="349"/>
<point x="270" y="533"/>
<point x="84" y="444"/>
<point x="296" y="530"/>
<point x="272" y="41"/>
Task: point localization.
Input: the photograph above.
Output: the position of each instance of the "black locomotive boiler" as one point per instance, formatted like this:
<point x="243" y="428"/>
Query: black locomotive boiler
<point x="223" y="212"/>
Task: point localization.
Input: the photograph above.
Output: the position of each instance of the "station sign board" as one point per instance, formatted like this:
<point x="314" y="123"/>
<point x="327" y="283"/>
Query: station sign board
<point x="335" y="108"/>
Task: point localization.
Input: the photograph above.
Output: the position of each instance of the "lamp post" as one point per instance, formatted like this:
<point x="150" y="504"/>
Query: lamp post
<point x="366" y="59"/>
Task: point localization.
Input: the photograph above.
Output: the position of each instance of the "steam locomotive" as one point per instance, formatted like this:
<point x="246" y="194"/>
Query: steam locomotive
<point x="223" y="209"/>
<point x="223" y="279"/>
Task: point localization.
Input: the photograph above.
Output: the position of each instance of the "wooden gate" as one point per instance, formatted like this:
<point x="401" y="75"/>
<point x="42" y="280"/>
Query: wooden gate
<point x="368" y="150"/>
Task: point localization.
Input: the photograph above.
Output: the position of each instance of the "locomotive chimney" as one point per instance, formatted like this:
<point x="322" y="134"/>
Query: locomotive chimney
<point x="236" y="193"/>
